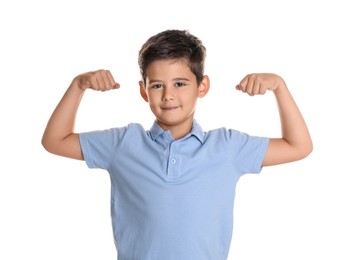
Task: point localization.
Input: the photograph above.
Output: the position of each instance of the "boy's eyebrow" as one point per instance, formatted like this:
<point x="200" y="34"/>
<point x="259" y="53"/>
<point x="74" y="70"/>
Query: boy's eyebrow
<point x="183" y="79"/>
<point x="154" y="81"/>
<point x="175" y="79"/>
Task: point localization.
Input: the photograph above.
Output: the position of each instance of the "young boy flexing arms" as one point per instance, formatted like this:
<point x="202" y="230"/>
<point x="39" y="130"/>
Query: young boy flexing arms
<point x="173" y="186"/>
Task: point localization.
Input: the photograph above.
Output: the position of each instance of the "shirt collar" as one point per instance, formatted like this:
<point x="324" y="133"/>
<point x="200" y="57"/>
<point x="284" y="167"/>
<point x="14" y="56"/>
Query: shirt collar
<point x="156" y="131"/>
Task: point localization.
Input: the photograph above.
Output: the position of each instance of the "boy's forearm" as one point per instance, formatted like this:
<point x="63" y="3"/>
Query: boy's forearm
<point x="293" y="127"/>
<point x="62" y="121"/>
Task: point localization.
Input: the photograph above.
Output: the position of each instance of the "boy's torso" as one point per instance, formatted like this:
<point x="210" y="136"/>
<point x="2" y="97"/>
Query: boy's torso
<point x="174" y="199"/>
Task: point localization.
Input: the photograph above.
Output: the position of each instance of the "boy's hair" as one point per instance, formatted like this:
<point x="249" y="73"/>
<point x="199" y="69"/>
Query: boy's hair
<point x="173" y="44"/>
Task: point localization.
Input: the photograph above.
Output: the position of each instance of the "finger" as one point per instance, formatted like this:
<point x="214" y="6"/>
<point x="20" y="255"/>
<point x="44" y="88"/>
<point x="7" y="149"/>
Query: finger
<point x="251" y="84"/>
<point x="103" y="81"/>
<point x="100" y="81"/>
<point x="256" y="88"/>
<point x="262" y="90"/>
<point x="113" y="84"/>
<point x="106" y="80"/>
<point x="243" y="83"/>
<point x="92" y="82"/>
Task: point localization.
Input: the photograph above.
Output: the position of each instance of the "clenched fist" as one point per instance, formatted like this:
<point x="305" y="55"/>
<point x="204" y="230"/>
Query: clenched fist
<point x="101" y="80"/>
<point x="259" y="83"/>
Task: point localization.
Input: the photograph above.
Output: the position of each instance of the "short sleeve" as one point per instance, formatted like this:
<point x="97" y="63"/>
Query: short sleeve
<point x="98" y="147"/>
<point x="249" y="151"/>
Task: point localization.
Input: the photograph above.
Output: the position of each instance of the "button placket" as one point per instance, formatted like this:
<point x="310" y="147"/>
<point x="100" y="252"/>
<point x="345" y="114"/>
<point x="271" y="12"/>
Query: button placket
<point x="173" y="165"/>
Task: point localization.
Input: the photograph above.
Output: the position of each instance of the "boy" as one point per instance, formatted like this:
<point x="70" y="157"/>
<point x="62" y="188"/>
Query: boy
<point x="173" y="186"/>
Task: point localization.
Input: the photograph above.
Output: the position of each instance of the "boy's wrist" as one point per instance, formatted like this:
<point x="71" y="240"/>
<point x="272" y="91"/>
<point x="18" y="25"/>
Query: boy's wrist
<point x="280" y="86"/>
<point x="76" y="85"/>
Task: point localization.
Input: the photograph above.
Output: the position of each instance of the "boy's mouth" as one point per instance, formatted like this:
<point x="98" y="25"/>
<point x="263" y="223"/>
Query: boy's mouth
<point x="169" y="108"/>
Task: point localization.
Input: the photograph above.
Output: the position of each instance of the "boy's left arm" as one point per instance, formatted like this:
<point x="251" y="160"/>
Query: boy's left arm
<point x="295" y="143"/>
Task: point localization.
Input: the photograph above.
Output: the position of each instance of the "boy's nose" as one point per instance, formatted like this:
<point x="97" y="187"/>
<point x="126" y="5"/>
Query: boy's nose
<point x="167" y="94"/>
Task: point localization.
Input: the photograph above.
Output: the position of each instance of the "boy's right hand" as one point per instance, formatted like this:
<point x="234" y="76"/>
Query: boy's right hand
<point x="101" y="80"/>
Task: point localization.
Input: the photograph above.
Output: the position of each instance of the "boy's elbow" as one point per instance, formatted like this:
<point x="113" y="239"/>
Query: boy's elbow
<point x="311" y="148"/>
<point x="66" y="147"/>
<point x="47" y="144"/>
<point x="306" y="150"/>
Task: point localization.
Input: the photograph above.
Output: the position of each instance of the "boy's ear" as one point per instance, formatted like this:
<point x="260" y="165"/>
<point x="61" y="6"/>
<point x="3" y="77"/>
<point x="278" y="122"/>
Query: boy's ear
<point x="204" y="86"/>
<point x="142" y="90"/>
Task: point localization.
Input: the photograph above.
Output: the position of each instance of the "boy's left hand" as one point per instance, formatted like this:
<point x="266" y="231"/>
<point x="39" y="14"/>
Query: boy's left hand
<point x="259" y="83"/>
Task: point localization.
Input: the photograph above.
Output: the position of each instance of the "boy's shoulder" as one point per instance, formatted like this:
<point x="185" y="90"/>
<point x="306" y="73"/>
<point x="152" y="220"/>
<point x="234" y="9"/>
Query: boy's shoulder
<point x="224" y="134"/>
<point x="222" y="131"/>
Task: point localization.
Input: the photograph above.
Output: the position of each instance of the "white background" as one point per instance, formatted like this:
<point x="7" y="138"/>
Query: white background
<point x="56" y="208"/>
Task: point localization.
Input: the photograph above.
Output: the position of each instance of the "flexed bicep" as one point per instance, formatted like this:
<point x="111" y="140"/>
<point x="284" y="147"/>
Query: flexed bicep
<point x="59" y="136"/>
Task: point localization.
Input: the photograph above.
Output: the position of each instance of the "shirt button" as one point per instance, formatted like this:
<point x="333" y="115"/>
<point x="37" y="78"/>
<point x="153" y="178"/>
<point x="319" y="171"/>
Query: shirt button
<point x="173" y="161"/>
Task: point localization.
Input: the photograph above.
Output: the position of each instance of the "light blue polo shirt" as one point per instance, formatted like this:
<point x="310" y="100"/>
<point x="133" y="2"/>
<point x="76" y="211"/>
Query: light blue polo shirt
<point x="172" y="200"/>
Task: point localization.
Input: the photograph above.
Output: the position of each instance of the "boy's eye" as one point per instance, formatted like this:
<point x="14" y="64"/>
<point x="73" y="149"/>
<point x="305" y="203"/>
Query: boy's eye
<point x="180" y="84"/>
<point x="156" y="86"/>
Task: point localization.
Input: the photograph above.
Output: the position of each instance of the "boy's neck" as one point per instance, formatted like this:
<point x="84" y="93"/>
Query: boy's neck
<point x="177" y="131"/>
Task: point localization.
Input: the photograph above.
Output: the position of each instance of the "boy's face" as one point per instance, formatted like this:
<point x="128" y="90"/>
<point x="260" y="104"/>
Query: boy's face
<point x="171" y="90"/>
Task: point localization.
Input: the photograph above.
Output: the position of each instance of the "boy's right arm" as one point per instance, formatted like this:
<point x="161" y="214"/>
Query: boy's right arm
<point x="59" y="136"/>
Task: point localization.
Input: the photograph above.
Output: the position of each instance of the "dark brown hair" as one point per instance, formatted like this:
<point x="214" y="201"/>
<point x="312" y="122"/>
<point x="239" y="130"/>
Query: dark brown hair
<point x="173" y="44"/>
